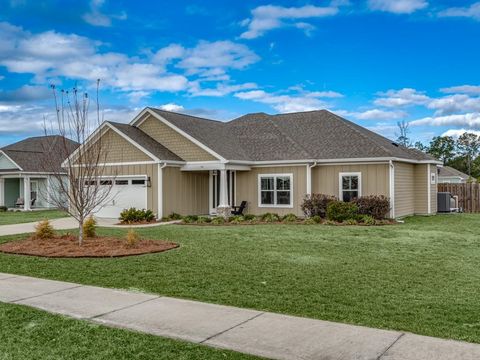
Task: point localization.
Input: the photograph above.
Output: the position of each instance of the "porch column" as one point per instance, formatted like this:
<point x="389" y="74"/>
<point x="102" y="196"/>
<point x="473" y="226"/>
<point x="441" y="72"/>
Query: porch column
<point x="2" y="192"/>
<point x="223" y="208"/>
<point x="26" y="193"/>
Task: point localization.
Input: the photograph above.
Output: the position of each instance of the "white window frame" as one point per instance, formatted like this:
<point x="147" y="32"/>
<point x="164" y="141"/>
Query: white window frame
<point x="433" y="178"/>
<point x="340" y="177"/>
<point x="274" y="205"/>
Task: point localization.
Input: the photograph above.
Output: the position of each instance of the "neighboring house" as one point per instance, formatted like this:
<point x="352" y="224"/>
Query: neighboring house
<point x="170" y="162"/>
<point x="447" y="175"/>
<point x="25" y="180"/>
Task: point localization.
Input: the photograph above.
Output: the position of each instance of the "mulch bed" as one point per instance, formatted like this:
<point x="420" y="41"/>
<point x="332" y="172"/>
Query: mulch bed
<point x="139" y="223"/>
<point x="67" y="247"/>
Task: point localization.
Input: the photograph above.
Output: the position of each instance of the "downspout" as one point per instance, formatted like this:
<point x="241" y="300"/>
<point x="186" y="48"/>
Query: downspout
<point x="309" y="177"/>
<point x="392" y="188"/>
<point x="160" y="190"/>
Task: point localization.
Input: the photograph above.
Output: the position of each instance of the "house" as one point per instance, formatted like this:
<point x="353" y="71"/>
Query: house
<point x="26" y="169"/>
<point x="449" y="175"/>
<point x="170" y="162"/>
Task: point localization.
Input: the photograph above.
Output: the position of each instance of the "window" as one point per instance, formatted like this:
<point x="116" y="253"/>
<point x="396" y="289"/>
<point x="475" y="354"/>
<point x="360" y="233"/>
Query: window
<point x="106" y="182"/>
<point x="433" y="178"/>
<point x="138" y="182"/>
<point x="350" y="185"/>
<point x="121" y="182"/>
<point x="275" y="190"/>
<point x="90" y="183"/>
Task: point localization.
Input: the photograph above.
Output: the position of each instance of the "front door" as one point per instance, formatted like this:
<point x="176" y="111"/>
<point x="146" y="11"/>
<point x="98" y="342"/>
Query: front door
<point x="215" y="189"/>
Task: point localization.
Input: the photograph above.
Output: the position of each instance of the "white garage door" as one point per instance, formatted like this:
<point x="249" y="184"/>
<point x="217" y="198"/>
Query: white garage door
<point x="125" y="193"/>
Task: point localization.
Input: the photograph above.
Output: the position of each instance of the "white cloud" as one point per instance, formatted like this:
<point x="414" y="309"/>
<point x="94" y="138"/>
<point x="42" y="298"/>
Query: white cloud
<point x="397" y="6"/>
<point x="456" y="133"/>
<point x="25" y="93"/>
<point x="472" y="11"/>
<point x="285" y="103"/>
<point x="269" y="17"/>
<point x="221" y="89"/>
<point x="376" y="114"/>
<point x="403" y="97"/>
<point x="455" y="104"/>
<point x="471" y="120"/>
<point x="172" y="107"/>
<point x="463" y="89"/>
<point x="96" y="18"/>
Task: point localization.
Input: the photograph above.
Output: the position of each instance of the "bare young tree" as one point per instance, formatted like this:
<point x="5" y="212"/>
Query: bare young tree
<point x="83" y="182"/>
<point x="402" y="136"/>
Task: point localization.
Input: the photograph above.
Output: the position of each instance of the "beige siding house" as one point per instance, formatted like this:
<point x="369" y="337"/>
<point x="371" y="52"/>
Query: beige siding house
<point x="170" y="162"/>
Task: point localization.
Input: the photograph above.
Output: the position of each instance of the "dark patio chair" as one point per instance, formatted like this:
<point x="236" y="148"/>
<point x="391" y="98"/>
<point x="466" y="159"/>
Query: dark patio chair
<point x="238" y="210"/>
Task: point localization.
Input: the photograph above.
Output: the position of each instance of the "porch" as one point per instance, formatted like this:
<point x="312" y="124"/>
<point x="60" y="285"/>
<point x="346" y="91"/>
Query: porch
<point x="22" y="192"/>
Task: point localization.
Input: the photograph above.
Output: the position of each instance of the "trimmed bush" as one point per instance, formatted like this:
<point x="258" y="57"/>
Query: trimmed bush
<point x="174" y="216"/>
<point x="317" y="219"/>
<point x="134" y="215"/>
<point x="218" y="220"/>
<point x="310" y="221"/>
<point x="316" y="204"/>
<point x="204" y="220"/>
<point x="350" y="222"/>
<point x="376" y="206"/>
<point x="289" y="218"/>
<point x="90" y="227"/>
<point x="249" y="217"/>
<point x="44" y="230"/>
<point x="3" y="208"/>
<point x="367" y="220"/>
<point x="270" y="217"/>
<point x="190" y="219"/>
<point x="341" y="211"/>
<point x="237" y="219"/>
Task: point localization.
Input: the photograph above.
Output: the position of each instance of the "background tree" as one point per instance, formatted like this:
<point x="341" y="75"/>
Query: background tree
<point x="402" y="135"/>
<point x="77" y="187"/>
<point x="468" y="145"/>
<point x="419" y="146"/>
<point x="442" y="148"/>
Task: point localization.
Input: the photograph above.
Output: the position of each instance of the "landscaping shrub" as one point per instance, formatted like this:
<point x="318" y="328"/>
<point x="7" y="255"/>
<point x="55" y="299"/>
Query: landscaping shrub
<point x="249" y="217"/>
<point x="237" y="219"/>
<point x="270" y="217"/>
<point x="44" y="230"/>
<point x="310" y="221"/>
<point x="190" y="219"/>
<point x="204" y="220"/>
<point x="218" y="220"/>
<point x="290" y="218"/>
<point x="350" y="222"/>
<point x="341" y="211"/>
<point x="367" y="219"/>
<point x="316" y="204"/>
<point x="174" y="216"/>
<point x="377" y="206"/>
<point x="132" y="238"/>
<point x="3" y="208"/>
<point x="90" y="227"/>
<point x="317" y="219"/>
<point x="134" y="215"/>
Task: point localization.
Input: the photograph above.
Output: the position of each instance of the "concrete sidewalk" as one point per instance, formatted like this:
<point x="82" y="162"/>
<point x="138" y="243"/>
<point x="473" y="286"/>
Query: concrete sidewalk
<point x="259" y="333"/>
<point x="67" y="224"/>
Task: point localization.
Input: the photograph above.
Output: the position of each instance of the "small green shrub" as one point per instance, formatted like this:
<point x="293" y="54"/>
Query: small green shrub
<point x="190" y="219"/>
<point x="310" y="221"/>
<point x="204" y="220"/>
<point x="249" y="217"/>
<point x="90" y="227"/>
<point x="317" y="219"/>
<point x="367" y="220"/>
<point x="134" y="215"/>
<point x="289" y="218"/>
<point x="3" y="208"/>
<point x="174" y="216"/>
<point x="270" y="217"/>
<point x="351" y="222"/>
<point x="341" y="211"/>
<point x="330" y="222"/>
<point x="237" y="219"/>
<point x="44" y="230"/>
<point x="218" y="220"/>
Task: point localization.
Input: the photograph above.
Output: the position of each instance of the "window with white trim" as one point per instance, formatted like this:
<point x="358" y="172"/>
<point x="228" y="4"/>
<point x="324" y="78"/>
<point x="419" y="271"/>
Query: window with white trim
<point x="350" y="186"/>
<point x="275" y="190"/>
<point x="433" y="178"/>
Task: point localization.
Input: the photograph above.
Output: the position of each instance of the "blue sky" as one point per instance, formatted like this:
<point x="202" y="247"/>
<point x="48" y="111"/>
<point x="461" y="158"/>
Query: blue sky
<point x="375" y="62"/>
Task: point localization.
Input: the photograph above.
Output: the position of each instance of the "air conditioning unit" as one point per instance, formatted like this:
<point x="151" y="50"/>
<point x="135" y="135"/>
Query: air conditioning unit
<point x="446" y="202"/>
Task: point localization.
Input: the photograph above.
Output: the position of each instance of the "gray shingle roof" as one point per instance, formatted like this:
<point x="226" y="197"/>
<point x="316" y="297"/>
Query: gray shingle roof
<point x="31" y="154"/>
<point x="295" y="136"/>
<point x="146" y="141"/>
<point x="448" y="171"/>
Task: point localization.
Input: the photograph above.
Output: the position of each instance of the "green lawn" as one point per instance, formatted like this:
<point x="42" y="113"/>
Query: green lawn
<point x="422" y="276"/>
<point x="20" y="217"/>
<point x="30" y="334"/>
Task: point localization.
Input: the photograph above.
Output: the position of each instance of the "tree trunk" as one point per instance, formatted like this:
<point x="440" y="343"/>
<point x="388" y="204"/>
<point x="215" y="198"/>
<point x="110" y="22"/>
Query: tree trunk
<point x="80" y="232"/>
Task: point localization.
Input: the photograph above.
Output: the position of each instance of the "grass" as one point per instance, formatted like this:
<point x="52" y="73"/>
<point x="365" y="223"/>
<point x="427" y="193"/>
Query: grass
<point x="422" y="276"/>
<point x="27" y="333"/>
<point x="20" y="217"/>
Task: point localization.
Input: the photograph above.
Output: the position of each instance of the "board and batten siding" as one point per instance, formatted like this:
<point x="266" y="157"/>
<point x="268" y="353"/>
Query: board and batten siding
<point x="174" y="141"/>
<point x="247" y="188"/>
<point x="375" y="179"/>
<point x="149" y="170"/>
<point x="185" y="192"/>
<point x="433" y="189"/>
<point x="407" y="189"/>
